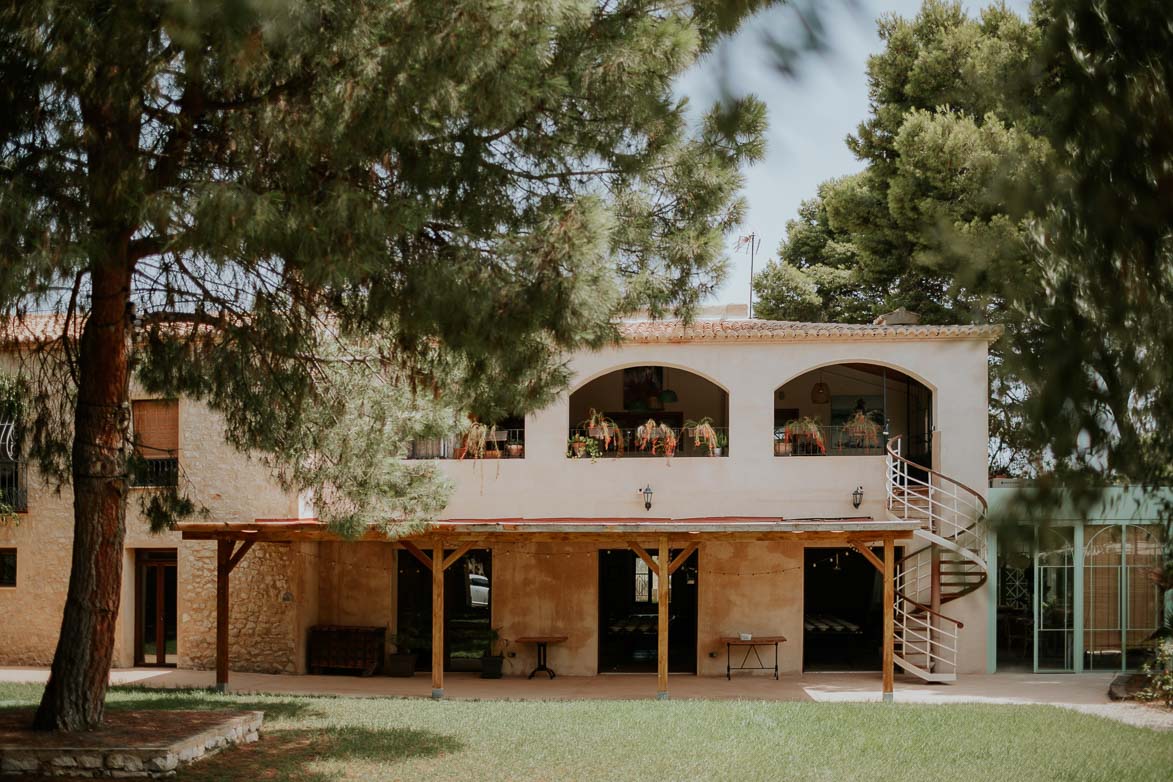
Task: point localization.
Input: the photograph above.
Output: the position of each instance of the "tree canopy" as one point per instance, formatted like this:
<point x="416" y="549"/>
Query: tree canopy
<point x="337" y="219"/>
<point x="938" y="219"/>
<point x="1099" y="325"/>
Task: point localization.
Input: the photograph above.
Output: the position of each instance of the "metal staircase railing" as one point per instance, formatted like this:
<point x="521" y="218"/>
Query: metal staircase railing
<point x="951" y="564"/>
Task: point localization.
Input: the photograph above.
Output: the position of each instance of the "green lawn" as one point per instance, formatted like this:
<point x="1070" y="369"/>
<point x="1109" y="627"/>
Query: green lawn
<point x="323" y="738"/>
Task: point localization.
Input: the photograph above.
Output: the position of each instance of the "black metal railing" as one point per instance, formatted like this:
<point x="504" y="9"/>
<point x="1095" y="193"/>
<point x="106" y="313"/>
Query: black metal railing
<point x="155" y="471"/>
<point x="13" y="494"/>
<point x="640" y="443"/>
<point x="499" y="444"/>
<point x="828" y="441"/>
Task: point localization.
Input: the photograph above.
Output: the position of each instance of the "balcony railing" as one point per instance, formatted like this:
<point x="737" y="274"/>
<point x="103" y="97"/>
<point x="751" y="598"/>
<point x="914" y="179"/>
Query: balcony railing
<point x="638" y="443"/>
<point x="155" y="471"/>
<point x="500" y="444"/>
<point x="829" y="441"/>
<point x="13" y="494"/>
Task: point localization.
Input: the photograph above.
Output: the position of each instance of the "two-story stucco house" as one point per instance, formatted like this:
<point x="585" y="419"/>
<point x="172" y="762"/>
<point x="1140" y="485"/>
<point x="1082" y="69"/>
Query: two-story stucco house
<point x="818" y="483"/>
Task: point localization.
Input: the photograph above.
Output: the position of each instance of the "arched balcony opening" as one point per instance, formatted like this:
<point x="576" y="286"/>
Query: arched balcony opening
<point x="851" y="409"/>
<point x="648" y="411"/>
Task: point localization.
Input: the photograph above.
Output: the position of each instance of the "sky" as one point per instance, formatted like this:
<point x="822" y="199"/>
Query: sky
<point x="810" y="115"/>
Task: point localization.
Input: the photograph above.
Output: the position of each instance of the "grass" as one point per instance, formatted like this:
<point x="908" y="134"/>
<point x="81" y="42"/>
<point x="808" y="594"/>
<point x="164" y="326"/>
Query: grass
<point x="315" y="739"/>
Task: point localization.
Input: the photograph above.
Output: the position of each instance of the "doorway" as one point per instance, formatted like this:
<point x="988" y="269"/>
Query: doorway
<point x="156" y="615"/>
<point x="468" y="608"/>
<point x="629" y="613"/>
<point x="843" y="610"/>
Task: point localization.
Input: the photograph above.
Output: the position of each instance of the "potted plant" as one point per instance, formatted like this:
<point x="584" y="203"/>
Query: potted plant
<point x="722" y="443"/>
<point x="582" y="447"/>
<point x="656" y="438"/>
<point x="603" y="429"/>
<point x="515" y="449"/>
<point x="493" y="660"/>
<point x="703" y="435"/>
<point x="475" y="438"/>
<point x="861" y="431"/>
<point x="407" y="642"/>
<point x="782" y="445"/>
<point x="807" y="432"/>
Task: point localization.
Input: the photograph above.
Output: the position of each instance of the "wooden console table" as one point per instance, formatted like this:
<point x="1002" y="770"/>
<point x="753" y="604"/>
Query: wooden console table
<point x="751" y="647"/>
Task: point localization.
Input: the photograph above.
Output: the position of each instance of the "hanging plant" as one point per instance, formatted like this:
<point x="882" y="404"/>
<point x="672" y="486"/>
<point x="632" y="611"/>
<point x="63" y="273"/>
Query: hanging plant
<point x="477" y="438"/>
<point x="703" y="435"/>
<point x="656" y="438"/>
<point x="806" y="429"/>
<point x="603" y="429"/>
<point x="862" y="431"/>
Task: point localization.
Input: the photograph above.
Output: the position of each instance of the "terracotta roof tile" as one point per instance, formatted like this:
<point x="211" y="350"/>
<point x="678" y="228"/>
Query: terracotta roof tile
<point x="792" y="331"/>
<point x="40" y="328"/>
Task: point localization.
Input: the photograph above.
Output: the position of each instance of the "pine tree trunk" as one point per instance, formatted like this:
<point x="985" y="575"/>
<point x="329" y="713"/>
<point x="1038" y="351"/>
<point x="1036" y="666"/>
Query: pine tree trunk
<point x="74" y="698"/>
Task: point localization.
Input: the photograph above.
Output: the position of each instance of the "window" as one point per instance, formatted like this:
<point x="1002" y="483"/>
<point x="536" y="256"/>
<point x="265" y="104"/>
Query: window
<point x="156" y="442"/>
<point x="13" y="497"/>
<point x="647" y="583"/>
<point x="7" y="567"/>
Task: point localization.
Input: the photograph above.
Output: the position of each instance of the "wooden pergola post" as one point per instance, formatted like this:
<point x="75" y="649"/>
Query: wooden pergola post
<point x="889" y="617"/>
<point x="438" y="621"/>
<point x="437" y="563"/>
<point x="663" y="575"/>
<point x="226" y="560"/>
<point x="663" y="566"/>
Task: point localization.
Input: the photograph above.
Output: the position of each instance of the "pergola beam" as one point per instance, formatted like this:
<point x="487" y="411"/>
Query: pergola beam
<point x="869" y="556"/>
<point x="642" y="553"/>
<point x="414" y="550"/>
<point x="455" y="555"/>
<point x="682" y="557"/>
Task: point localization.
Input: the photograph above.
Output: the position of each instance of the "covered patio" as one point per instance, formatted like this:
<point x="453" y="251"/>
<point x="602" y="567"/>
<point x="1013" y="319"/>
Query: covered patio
<point x="1087" y="690"/>
<point x="450" y="539"/>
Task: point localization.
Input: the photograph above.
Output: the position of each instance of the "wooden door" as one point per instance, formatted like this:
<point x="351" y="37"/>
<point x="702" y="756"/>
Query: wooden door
<point x="156" y="614"/>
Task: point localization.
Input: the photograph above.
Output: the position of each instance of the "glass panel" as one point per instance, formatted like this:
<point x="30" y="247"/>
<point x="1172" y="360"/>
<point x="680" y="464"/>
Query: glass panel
<point x="150" y="613"/>
<point x="467" y="610"/>
<point x="1015" y="617"/>
<point x="170" y="614"/>
<point x="1142" y="560"/>
<point x="643" y="590"/>
<point x="1101" y="599"/>
<point x="1056" y="600"/>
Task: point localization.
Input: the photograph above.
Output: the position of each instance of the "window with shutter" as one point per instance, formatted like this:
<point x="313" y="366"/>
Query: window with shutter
<point x="156" y="442"/>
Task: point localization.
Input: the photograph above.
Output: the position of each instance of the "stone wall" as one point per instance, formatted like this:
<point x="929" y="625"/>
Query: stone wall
<point x="270" y="601"/>
<point x="262" y="609"/>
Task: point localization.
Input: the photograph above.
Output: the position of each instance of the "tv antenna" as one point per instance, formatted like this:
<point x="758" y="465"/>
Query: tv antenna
<point x="750" y="243"/>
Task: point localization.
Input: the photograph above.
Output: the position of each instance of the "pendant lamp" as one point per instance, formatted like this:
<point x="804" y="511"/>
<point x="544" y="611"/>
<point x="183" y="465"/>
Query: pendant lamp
<point x="820" y="392"/>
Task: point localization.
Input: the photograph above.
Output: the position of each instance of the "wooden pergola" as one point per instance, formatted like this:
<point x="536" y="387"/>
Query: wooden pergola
<point x="458" y="536"/>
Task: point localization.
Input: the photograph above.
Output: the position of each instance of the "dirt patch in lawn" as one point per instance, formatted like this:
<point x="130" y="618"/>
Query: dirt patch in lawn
<point x="119" y="729"/>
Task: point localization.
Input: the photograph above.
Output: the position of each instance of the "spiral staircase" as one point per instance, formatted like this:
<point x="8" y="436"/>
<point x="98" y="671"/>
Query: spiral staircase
<point x="948" y="563"/>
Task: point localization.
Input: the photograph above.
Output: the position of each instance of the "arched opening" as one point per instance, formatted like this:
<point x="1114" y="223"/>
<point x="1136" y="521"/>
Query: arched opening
<point x="850" y="409"/>
<point x="1122" y="605"/>
<point x="648" y="411"/>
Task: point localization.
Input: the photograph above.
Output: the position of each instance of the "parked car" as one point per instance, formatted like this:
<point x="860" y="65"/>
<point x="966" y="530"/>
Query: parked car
<point x="478" y="590"/>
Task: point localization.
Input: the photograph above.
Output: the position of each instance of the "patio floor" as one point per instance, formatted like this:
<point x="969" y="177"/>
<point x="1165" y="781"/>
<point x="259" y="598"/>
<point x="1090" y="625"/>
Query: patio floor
<point x="1087" y="689"/>
<point x="1083" y="692"/>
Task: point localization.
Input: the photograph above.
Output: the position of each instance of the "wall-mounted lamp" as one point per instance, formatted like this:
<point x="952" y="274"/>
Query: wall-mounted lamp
<point x="857" y="497"/>
<point x="647" y="493"/>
